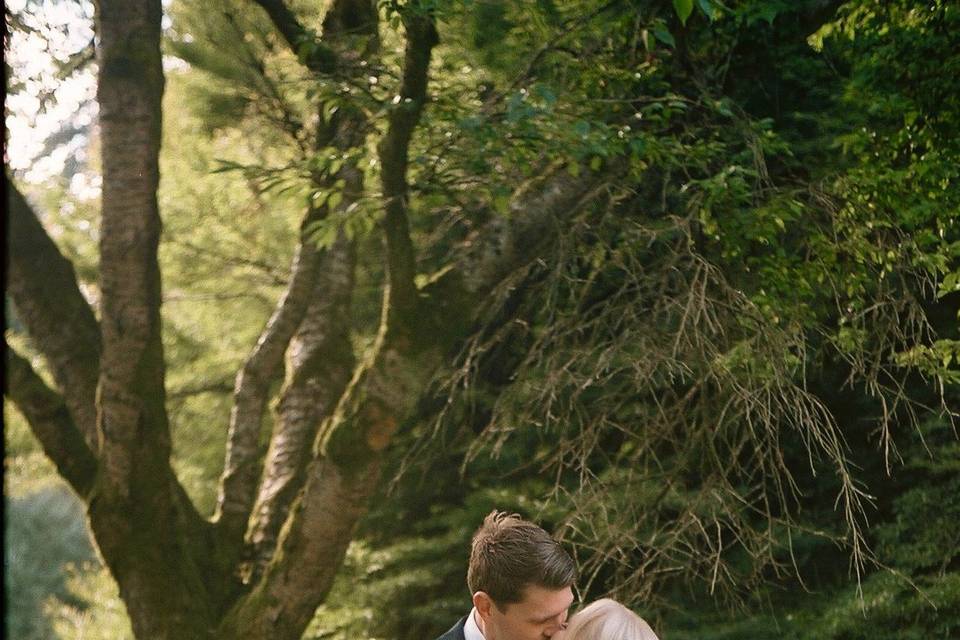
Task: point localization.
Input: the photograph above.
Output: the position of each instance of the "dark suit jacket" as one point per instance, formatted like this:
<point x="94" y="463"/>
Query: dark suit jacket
<point x="456" y="633"/>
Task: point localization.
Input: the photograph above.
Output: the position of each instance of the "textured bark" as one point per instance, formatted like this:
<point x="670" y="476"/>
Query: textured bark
<point x="131" y="381"/>
<point x="340" y="482"/>
<point x="393" y="150"/>
<point x="320" y="358"/>
<point x="152" y="539"/>
<point x="162" y="555"/>
<point x="43" y="286"/>
<point x="536" y="210"/>
<point x="313" y="545"/>
<point x="344" y="472"/>
<point x="238" y="485"/>
<point x="177" y="573"/>
<point x="51" y="423"/>
<point x="320" y="362"/>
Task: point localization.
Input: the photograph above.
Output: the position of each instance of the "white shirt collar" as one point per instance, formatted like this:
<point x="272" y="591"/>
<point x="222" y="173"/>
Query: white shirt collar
<point x="470" y="630"/>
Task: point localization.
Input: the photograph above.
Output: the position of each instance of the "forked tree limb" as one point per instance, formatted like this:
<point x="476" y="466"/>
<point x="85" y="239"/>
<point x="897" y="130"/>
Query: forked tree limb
<point x="321" y="359"/>
<point x="314" y="54"/>
<point x="61" y="324"/>
<point x="320" y="362"/>
<point x="346" y="467"/>
<point x="242" y="468"/>
<point x="345" y="472"/>
<point x="238" y="484"/>
<point x="51" y="422"/>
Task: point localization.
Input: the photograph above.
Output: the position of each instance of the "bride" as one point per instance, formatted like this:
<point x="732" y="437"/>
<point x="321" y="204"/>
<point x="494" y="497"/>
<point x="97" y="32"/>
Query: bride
<point x="606" y="619"/>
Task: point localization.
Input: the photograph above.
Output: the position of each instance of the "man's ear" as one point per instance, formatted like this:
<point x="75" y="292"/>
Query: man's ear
<point x="483" y="603"/>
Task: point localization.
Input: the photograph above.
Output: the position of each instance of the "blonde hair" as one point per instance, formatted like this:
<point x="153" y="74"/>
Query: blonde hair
<point x="607" y="619"/>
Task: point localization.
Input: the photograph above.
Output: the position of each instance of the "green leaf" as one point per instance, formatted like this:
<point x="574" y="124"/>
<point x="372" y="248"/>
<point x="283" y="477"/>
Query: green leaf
<point x="546" y="94"/>
<point x="768" y="12"/>
<point x="683" y="8"/>
<point x="306" y="48"/>
<point x="951" y="283"/>
<point x="335" y="198"/>
<point x="664" y="36"/>
<point x="330" y="107"/>
<point x="708" y="9"/>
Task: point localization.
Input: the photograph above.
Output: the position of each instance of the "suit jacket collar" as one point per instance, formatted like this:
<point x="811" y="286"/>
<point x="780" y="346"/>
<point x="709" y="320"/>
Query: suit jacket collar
<point x="455" y="632"/>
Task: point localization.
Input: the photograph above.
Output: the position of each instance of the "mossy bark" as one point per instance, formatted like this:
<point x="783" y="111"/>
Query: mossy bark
<point x="180" y="575"/>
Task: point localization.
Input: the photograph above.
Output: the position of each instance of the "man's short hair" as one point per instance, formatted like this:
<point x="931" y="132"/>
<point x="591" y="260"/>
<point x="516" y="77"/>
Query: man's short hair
<point x="508" y="554"/>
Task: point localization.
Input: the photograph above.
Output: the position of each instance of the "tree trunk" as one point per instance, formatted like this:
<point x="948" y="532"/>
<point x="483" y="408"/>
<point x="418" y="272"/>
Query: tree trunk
<point x="148" y="534"/>
<point x="180" y="575"/>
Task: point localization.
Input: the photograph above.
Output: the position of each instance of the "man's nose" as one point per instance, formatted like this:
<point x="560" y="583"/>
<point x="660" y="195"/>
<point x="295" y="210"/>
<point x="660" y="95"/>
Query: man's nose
<point x="559" y="625"/>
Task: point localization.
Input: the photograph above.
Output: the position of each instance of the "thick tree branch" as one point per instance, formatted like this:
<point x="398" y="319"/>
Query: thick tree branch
<point x="313" y="547"/>
<point x="320" y="363"/>
<point x="132" y="419"/>
<point x="251" y="391"/>
<point x="302" y="41"/>
<point x="350" y="444"/>
<point x="43" y="286"/>
<point x="393" y="151"/>
<point x="151" y="537"/>
<point x="341" y="476"/>
<point x="241" y="472"/>
<point x="340" y="480"/>
<point x="321" y="360"/>
<point x="51" y="423"/>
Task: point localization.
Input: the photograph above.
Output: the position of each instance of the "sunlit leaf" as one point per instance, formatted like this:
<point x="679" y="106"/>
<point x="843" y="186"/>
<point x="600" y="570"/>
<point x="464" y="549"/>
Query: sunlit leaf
<point x="683" y="8"/>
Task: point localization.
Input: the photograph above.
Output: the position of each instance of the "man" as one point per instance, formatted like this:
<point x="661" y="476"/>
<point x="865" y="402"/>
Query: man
<point x="521" y="580"/>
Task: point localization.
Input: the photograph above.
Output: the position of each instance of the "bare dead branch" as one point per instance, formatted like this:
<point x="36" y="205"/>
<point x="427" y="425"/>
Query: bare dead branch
<point x="694" y="378"/>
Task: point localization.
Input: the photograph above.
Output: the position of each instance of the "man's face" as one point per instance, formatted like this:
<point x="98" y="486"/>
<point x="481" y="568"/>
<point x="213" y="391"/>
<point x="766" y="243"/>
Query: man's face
<point x="540" y="614"/>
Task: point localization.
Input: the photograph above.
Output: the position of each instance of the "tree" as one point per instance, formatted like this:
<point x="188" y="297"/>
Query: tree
<point x="624" y="287"/>
<point x="108" y="432"/>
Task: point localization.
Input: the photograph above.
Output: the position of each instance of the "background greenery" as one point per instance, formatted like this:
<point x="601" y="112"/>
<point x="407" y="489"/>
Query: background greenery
<point x="797" y="162"/>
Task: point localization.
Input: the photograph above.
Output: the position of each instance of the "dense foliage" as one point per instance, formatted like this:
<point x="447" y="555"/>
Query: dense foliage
<point x="729" y="380"/>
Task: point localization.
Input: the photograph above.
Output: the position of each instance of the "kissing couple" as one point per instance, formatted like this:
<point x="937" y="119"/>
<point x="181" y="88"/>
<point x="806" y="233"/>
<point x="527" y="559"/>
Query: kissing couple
<point x="522" y="585"/>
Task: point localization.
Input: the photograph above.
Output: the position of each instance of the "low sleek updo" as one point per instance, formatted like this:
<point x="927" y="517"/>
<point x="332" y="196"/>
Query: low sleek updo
<point x="607" y="619"/>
